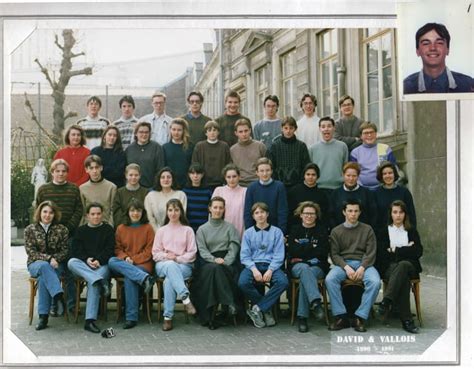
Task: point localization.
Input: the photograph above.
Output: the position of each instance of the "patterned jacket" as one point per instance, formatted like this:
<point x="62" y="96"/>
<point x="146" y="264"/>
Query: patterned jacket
<point x="43" y="246"/>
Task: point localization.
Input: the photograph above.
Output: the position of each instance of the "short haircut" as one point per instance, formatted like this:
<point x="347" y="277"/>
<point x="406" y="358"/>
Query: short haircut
<point x="290" y="121"/>
<point x="351" y="201"/>
<point x="367" y="125"/>
<point x="176" y="203"/>
<point x="313" y="99"/>
<point x="94" y="99"/>
<point x="137" y="127"/>
<point x="242" y="122"/>
<point x="273" y="98"/>
<point x="382" y="166"/>
<point x="263" y="161"/>
<point x="308" y="204"/>
<point x="128" y="99"/>
<point x="439" y="28"/>
<point x="118" y="142"/>
<point x="402" y="205"/>
<point x="92" y="159"/>
<point x="351" y="165"/>
<point x="218" y="199"/>
<point x="138" y="205"/>
<point x="211" y="124"/>
<point x="94" y="205"/>
<point x="313" y="166"/>
<point x="344" y="98"/>
<point x="174" y="184"/>
<point x="327" y="119"/>
<point x="133" y="166"/>
<point x="159" y="94"/>
<point x="53" y="206"/>
<point x="232" y="93"/>
<point x="57" y="163"/>
<point x="230" y="166"/>
<point x="260" y="205"/>
<point x="77" y="128"/>
<point x="195" y="93"/>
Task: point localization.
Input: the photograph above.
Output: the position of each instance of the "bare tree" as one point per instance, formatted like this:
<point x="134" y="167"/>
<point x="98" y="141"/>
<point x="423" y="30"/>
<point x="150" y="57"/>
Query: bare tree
<point x="65" y="74"/>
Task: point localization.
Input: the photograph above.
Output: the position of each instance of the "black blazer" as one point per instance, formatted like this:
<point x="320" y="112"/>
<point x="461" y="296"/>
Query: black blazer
<point x="411" y="253"/>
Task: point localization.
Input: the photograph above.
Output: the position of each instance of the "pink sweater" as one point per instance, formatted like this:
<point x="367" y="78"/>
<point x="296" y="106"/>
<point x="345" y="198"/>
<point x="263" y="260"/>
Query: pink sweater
<point x="234" y="205"/>
<point x="176" y="238"/>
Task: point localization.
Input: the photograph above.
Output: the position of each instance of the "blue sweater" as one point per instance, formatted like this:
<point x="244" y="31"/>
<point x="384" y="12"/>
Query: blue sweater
<point x="198" y="201"/>
<point x="274" y="195"/>
<point x="262" y="246"/>
<point x="179" y="160"/>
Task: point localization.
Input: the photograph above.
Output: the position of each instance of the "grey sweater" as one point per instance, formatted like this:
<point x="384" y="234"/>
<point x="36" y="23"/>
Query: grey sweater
<point x="356" y="243"/>
<point x="150" y="157"/>
<point x="218" y="235"/>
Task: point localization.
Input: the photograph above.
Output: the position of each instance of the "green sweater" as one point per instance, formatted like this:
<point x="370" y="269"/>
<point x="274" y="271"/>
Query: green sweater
<point x="122" y="199"/>
<point x="196" y="126"/>
<point x="357" y="243"/>
<point x="227" y="129"/>
<point x="67" y="198"/>
<point x="218" y="235"/>
<point x="213" y="157"/>
<point x="330" y="158"/>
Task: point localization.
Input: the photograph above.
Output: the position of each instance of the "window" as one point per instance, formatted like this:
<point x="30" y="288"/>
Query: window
<point x="328" y="74"/>
<point x="243" y="101"/>
<point x="288" y="73"/>
<point x="260" y="91"/>
<point x="379" y="76"/>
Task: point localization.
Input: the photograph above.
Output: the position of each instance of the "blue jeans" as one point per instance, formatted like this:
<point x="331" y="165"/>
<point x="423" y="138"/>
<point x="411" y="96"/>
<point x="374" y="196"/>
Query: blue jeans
<point x="309" y="291"/>
<point x="278" y="284"/>
<point x="134" y="276"/>
<point x="174" y="274"/>
<point x="91" y="276"/>
<point x="49" y="284"/>
<point x="371" y="281"/>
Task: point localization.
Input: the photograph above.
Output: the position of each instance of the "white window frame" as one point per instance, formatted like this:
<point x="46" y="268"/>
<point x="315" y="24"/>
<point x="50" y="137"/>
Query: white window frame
<point x="288" y="103"/>
<point x="332" y="88"/>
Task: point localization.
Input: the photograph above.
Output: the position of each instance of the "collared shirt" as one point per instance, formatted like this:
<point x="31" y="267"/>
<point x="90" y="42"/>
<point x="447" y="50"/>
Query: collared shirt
<point x="160" y="127"/>
<point x="448" y="81"/>
<point x="398" y="236"/>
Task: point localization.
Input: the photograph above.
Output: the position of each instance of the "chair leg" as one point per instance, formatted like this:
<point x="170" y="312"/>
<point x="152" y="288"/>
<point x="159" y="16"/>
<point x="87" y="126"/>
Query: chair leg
<point x="148" y="303"/>
<point x="33" y="289"/>
<point x="79" y="286"/>
<point x="325" y="302"/>
<point x="158" y="287"/>
<point x="118" y="292"/>
<point x="416" y="293"/>
<point x="66" y="312"/>
<point x="293" y="302"/>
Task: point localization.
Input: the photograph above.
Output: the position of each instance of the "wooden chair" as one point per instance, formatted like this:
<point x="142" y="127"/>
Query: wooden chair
<point x="415" y="288"/>
<point x="159" y="285"/>
<point x="119" y="298"/>
<point x="34" y="289"/>
<point x="80" y="285"/>
<point x="295" y="285"/>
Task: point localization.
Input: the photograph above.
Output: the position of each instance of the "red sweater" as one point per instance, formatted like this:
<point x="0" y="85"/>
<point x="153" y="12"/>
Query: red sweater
<point x="135" y="242"/>
<point x="75" y="158"/>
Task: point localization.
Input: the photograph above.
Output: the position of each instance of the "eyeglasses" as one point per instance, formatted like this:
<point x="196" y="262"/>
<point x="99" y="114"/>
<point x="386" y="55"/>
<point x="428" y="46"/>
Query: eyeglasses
<point x="346" y="105"/>
<point x="309" y="214"/>
<point x="194" y="101"/>
<point x="368" y="133"/>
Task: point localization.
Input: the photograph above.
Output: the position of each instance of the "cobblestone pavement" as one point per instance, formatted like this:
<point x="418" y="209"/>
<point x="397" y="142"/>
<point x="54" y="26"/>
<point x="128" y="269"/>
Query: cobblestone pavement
<point x="70" y="339"/>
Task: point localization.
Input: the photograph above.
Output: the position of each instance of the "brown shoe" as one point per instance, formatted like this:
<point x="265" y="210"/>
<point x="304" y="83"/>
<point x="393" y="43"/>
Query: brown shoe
<point x="167" y="325"/>
<point x="339" y="324"/>
<point x="358" y="325"/>
<point x="190" y="309"/>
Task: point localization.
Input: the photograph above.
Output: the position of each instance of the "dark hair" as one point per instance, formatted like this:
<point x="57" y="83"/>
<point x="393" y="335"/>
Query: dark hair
<point x="138" y="205"/>
<point x="439" y="28"/>
<point x="137" y="127"/>
<point x="118" y="142"/>
<point x="92" y="159"/>
<point x="182" y="216"/>
<point x="195" y="93"/>
<point x="53" y="206"/>
<point x="174" y="185"/>
<point x="218" y="199"/>
<point x="401" y="204"/>
<point x="127" y="98"/>
<point x="329" y="119"/>
<point x="273" y="98"/>
<point x="344" y="98"/>
<point x="94" y="205"/>
<point x="313" y="99"/>
<point x="290" y="121"/>
<point x="195" y="168"/>
<point x="230" y="166"/>
<point x="311" y="166"/>
<point x="351" y="201"/>
<point x="382" y="166"/>
<point x="94" y="99"/>
<point x="232" y="93"/>
<point x="260" y="205"/>
<point x="77" y="128"/>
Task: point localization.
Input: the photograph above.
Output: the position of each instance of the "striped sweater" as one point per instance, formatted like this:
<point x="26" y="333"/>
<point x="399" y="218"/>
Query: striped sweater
<point x="198" y="201"/>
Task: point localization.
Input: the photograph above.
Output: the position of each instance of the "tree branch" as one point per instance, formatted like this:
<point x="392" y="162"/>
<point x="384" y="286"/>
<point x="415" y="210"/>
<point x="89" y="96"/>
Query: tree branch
<point x="86" y="71"/>
<point x="76" y="55"/>
<point x="45" y="71"/>
<point x="56" y="41"/>
<point x="70" y="114"/>
<point x="34" y="118"/>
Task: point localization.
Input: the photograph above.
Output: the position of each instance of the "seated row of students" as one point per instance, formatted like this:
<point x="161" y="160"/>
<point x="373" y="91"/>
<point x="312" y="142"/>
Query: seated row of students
<point x="97" y="254"/>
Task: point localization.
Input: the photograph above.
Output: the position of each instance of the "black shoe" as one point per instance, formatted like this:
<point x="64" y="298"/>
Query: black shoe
<point x="339" y="323"/>
<point x="302" y="325"/>
<point x="148" y="284"/>
<point x="43" y="322"/>
<point x="212" y="325"/>
<point x="410" y="327"/>
<point x="91" y="327"/>
<point x="358" y="324"/>
<point x="384" y="309"/>
<point x="129" y="324"/>
<point x="318" y="311"/>
<point x="58" y="302"/>
<point x="53" y="310"/>
<point x="105" y="288"/>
